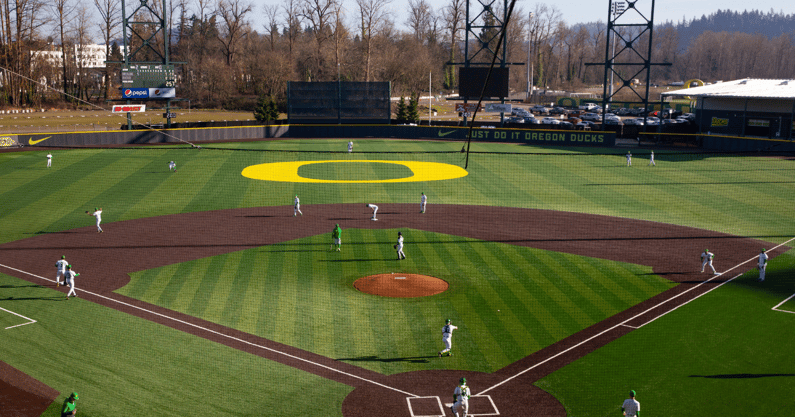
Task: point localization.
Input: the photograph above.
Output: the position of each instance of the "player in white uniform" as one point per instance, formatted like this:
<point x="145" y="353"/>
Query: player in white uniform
<point x="172" y="166"/>
<point x="375" y="208"/>
<point x="706" y="259"/>
<point x="629" y="159"/>
<point x="447" y="337"/>
<point x="399" y="247"/>
<point x="61" y="265"/>
<point x="70" y="281"/>
<point x="350" y="147"/>
<point x="631" y="407"/>
<point x="98" y="214"/>
<point x="423" y="202"/>
<point x="762" y="264"/>
<point x="651" y="160"/>
<point x="297" y="207"/>
<point x="461" y="396"/>
<point x="49" y="159"/>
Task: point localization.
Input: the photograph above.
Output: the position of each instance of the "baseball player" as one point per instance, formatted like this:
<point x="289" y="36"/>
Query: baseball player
<point x="651" y="160"/>
<point x="336" y="236"/>
<point x="629" y="158"/>
<point x="762" y="265"/>
<point x="423" y="201"/>
<point x="49" y="159"/>
<point x="375" y="208"/>
<point x="706" y="259"/>
<point x="172" y="166"/>
<point x="98" y="214"/>
<point x="631" y="406"/>
<point x="461" y="396"/>
<point x="447" y="337"/>
<point x="70" y="406"/>
<point x="61" y="265"/>
<point x="399" y="247"/>
<point x="297" y="207"/>
<point x="350" y="147"/>
<point x="70" y="281"/>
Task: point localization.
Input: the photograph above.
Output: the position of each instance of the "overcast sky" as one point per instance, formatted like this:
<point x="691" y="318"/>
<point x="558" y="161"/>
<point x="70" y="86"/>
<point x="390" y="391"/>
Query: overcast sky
<point x="574" y="11"/>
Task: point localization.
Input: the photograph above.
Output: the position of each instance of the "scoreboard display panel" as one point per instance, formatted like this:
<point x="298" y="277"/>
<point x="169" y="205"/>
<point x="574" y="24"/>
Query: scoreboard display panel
<point x="147" y="76"/>
<point x="472" y="79"/>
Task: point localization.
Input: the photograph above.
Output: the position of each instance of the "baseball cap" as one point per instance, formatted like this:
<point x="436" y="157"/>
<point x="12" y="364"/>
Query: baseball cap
<point x="448" y="321"/>
<point x="68" y="266"/>
<point x="763" y="249"/>
<point x="96" y="208"/>
<point x="74" y="395"/>
<point x="463" y="380"/>
<point x="64" y="256"/>
<point x="632" y="393"/>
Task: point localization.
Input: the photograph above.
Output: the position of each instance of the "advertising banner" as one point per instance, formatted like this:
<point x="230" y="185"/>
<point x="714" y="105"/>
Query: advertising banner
<point x="162" y="92"/>
<point x="498" y="108"/>
<point x="135" y="93"/>
<point x="129" y="108"/>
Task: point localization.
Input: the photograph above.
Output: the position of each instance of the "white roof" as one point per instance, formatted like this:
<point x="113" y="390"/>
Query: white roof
<point x="745" y="88"/>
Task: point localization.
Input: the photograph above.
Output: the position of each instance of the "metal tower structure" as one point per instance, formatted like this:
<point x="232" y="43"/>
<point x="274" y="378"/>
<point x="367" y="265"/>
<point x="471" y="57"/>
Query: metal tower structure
<point x="631" y="23"/>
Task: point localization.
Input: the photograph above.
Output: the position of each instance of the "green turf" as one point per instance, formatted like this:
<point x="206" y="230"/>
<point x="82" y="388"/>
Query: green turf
<point x="117" y="363"/>
<point x="354" y="171"/>
<point x="508" y="301"/>
<point x="744" y="195"/>
<point x="729" y="361"/>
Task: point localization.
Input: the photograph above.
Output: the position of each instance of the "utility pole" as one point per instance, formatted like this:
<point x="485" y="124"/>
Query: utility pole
<point x="529" y="61"/>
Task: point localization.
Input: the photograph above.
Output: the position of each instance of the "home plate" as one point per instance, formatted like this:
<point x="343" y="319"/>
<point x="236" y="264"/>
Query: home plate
<point x="400" y="277"/>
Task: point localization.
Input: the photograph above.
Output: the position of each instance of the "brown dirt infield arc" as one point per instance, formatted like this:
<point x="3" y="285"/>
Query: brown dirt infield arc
<point x="671" y="251"/>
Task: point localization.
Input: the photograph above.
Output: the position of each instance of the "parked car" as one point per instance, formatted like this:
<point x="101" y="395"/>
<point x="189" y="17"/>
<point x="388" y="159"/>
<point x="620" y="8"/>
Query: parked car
<point x="557" y="110"/>
<point x="670" y="121"/>
<point x="633" y="122"/>
<point x="516" y="119"/>
<point x="539" y="109"/>
<point x="585" y="125"/>
<point x="638" y="111"/>
<point x="614" y="122"/>
<point x="550" y="121"/>
<point x="622" y="111"/>
<point x="593" y="117"/>
<point x="566" y="125"/>
<point x="652" y="121"/>
<point x="532" y="120"/>
<point x="518" y="111"/>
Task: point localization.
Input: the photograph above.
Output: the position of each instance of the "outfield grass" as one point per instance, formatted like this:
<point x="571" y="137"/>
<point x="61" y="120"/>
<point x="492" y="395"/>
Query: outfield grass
<point x="543" y="294"/>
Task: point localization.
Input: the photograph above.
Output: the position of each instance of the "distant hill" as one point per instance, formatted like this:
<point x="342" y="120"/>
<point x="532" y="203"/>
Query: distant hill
<point x="770" y="24"/>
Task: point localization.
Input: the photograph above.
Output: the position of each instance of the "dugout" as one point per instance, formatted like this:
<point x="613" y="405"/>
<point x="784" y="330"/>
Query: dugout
<point x="752" y="108"/>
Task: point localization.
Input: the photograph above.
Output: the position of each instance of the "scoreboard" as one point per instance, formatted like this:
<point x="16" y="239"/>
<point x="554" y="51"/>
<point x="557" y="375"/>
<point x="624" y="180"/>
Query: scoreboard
<point x="147" y="76"/>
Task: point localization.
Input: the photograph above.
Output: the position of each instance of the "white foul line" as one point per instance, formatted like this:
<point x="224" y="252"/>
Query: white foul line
<point x="776" y="307"/>
<point x="20" y="315"/>
<point x="623" y="323"/>
<point x="226" y="336"/>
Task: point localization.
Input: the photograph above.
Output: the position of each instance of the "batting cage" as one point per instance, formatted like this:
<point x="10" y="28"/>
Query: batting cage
<point x="323" y="272"/>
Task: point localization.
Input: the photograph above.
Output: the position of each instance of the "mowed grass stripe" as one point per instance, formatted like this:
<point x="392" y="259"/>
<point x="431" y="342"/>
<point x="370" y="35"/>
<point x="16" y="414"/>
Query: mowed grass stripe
<point x="235" y="305"/>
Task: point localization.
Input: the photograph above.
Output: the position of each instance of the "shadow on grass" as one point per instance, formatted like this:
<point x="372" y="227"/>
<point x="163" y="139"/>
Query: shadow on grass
<point x="412" y="359"/>
<point x="357" y="260"/>
<point x="739" y="376"/>
<point x="695" y="183"/>
<point x="51" y="298"/>
<point x="22" y="286"/>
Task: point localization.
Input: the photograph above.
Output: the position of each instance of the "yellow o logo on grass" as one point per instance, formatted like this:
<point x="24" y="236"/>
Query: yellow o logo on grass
<point x="288" y="172"/>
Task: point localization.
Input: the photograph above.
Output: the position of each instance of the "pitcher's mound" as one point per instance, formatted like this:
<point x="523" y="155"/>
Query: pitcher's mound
<point x="400" y="285"/>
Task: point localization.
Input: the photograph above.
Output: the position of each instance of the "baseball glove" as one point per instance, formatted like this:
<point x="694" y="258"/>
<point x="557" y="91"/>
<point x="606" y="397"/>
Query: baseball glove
<point x="394" y="246"/>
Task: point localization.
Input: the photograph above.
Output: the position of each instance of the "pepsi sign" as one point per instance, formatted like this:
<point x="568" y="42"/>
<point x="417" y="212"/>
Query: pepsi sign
<point x="135" y="93"/>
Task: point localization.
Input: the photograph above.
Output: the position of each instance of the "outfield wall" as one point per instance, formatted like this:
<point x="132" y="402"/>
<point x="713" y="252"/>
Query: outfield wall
<point x="220" y="134"/>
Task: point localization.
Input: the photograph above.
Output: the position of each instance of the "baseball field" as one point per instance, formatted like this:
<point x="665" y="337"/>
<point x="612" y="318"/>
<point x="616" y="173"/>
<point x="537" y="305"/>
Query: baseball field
<point x="572" y="279"/>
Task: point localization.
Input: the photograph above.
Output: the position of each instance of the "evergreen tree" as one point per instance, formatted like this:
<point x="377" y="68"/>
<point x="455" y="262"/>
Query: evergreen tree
<point x="266" y="109"/>
<point x="402" y="114"/>
<point x="412" y="112"/>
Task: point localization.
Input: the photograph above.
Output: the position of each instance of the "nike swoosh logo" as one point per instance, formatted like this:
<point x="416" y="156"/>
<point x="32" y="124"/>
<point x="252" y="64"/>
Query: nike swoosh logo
<point x="33" y="142"/>
<point x="441" y="135"/>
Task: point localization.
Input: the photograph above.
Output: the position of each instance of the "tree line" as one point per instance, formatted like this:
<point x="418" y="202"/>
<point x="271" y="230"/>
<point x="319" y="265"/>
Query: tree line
<point x="232" y="53"/>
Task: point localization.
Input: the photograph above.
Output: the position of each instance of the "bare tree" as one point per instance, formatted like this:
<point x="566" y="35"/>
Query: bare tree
<point x="272" y="24"/>
<point x="454" y="15"/>
<point x="373" y="13"/>
<point x="292" y="21"/>
<point x="419" y="18"/>
<point x="234" y="27"/>
<point x="319" y="14"/>
<point x="63" y="10"/>
<point x="110" y="18"/>
<point x="82" y="39"/>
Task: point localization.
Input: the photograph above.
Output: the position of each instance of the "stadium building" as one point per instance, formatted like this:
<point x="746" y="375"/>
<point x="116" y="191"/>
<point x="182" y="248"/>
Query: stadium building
<point x="753" y="108"/>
